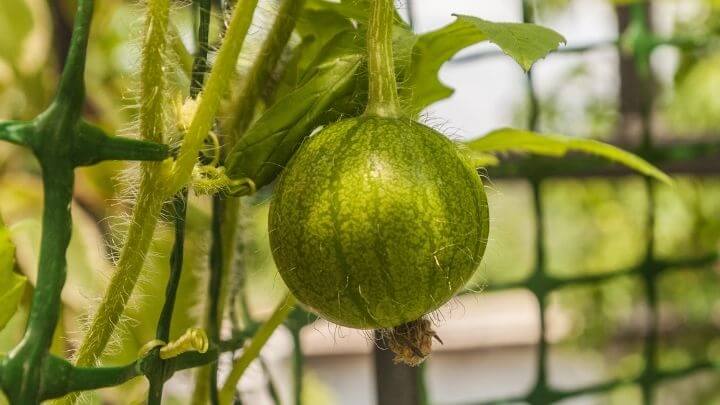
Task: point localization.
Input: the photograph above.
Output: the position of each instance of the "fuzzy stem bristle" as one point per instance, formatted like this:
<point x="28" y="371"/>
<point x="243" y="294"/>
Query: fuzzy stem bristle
<point x="411" y="342"/>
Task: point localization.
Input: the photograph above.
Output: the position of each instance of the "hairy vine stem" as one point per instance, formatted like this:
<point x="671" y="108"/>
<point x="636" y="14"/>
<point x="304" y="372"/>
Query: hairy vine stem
<point x="145" y="216"/>
<point x="209" y="99"/>
<point x="197" y="78"/>
<point x="149" y="201"/>
<point x="382" y="92"/>
<point x="226" y="212"/>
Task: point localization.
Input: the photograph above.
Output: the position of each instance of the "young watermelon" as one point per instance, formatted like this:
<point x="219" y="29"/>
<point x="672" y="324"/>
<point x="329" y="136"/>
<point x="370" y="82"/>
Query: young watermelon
<point x="376" y="222"/>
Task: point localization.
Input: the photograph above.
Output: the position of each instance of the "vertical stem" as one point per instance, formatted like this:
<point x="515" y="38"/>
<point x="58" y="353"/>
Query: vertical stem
<point x="165" y="322"/>
<point x="22" y="377"/>
<point x="639" y="16"/>
<point x="297" y="365"/>
<point x="382" y="95"/>
<point x="540" y="287"/>
<point x="150" y="197"/>
<point x="232" y="253"/>
<point x="533" y="119"/>
<point x="176" y="264"/>
<point x="225" y="214"/>
<point x="252" y="351"/>
<point x="200" y="63"/>
<point x="214" y="90"/>
<point x="650" y="275"/>
<point x="214" y="285"/>
<point x="71" y="90"/>
<point x="221" y="254"/>
<point x="199" y="69"/>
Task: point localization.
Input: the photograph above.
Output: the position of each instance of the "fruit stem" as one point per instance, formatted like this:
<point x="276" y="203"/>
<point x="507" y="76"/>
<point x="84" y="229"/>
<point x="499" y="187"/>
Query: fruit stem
<point x="382" y="92"/>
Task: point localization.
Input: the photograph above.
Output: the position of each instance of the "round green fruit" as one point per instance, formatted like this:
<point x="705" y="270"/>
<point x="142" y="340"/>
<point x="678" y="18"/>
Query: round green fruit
<point x="376" y="222"/>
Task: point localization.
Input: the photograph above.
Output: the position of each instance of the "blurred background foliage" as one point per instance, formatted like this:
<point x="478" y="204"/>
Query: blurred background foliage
<point x="592" y="226"/>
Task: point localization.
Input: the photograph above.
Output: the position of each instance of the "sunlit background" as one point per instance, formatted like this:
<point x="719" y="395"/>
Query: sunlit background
<point x="593" y="228"/>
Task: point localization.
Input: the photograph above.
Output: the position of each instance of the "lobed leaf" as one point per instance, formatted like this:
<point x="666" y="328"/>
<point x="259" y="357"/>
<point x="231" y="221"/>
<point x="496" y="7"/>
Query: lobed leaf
<point x="526" y="43"/>
<point x="518" y="140"/>
<point x="431" y="51"/>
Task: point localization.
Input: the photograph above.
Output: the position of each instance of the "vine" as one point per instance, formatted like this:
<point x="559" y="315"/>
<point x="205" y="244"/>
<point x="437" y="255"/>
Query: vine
<point x="145" y="216"/>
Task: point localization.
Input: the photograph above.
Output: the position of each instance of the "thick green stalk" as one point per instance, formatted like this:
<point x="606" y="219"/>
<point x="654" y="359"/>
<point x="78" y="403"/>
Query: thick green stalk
<point x="212" y="94"/>
<point x="52" y="141"/>
<point x="22" y="377"/>
<point x="252" y="351"/>
<point x="382" y="92"/>
<point x="150" y="197"/>
<point x="67" y="378"/>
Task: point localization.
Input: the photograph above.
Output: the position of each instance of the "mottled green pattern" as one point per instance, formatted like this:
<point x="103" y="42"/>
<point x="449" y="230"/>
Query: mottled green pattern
<point x="377" y="221"/>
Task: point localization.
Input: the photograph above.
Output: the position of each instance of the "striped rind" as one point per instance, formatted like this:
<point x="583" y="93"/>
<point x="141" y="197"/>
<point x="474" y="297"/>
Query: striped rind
<point x="376" y="222"/>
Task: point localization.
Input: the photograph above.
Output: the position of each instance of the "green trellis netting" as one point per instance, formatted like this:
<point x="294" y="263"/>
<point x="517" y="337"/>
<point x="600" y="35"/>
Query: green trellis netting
<point x="30" y="373"/>
<point x="691" y="159"/>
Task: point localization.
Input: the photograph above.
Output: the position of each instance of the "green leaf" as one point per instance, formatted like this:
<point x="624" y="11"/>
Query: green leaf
<point x="431" y="51"/>
<point x="318" y="27"/>
<point x="12" y="285"/>
<point x="272" y="140"/>
<point x="526" y="43"/>
<point x="351" y="9"/>
<point x="518" y="140"/>
<point x="480" y="159"/>
<point x="356" y="10"/>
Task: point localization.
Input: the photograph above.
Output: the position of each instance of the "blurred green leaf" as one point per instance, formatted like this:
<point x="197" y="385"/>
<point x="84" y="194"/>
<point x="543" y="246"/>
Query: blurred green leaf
<point x="518" y="140"/>
<point x="16" y="23"/>
<point x="356" y="10"/>
<point x="480" y="159"/>
<point x="351" y="9"/>
<point x="694" y="106"/>
<point x="318" y="27"/>
<point x="12" y="285"/>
